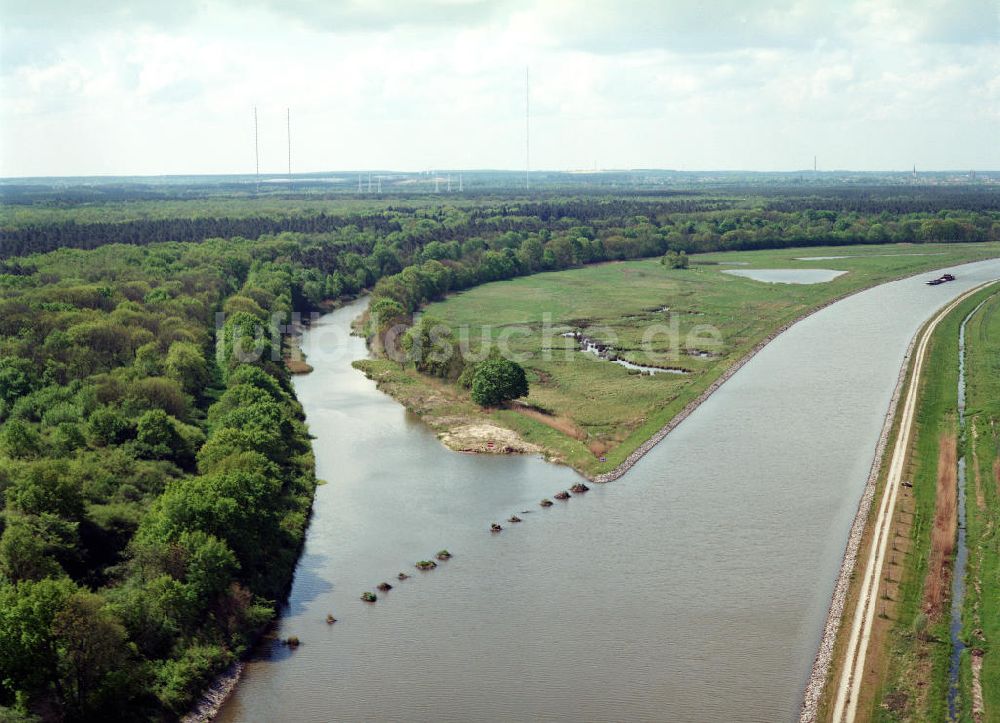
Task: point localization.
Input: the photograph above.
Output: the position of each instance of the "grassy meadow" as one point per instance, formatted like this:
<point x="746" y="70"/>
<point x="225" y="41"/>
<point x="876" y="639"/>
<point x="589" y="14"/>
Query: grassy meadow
<point x="982" y="601"/>
<point x="582" y="408"/>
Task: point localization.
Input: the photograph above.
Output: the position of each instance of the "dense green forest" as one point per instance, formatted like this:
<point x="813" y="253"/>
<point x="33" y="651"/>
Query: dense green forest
<point x="695" y="221"/>
<point x="155" y="498"/>
<point x="157" y="481"/>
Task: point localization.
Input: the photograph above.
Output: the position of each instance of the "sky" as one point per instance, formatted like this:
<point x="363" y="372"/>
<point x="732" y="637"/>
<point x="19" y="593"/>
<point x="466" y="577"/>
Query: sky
<point x="147" y="87"/>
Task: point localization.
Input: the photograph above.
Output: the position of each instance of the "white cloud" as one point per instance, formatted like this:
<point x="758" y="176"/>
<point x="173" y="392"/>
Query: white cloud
<point x="140" y="88"/>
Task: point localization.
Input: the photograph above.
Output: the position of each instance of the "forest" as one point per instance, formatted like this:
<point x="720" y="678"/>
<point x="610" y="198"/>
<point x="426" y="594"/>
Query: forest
<point x="157" y="480"/>
<point x="694" y="221"/>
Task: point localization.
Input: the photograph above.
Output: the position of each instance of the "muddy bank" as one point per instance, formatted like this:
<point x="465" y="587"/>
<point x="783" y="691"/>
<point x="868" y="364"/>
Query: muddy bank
<point x="486" y="439"/>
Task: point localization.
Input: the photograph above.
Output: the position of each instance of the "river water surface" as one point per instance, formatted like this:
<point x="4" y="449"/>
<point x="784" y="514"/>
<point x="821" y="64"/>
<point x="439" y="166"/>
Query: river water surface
<point x="694" y="588"/>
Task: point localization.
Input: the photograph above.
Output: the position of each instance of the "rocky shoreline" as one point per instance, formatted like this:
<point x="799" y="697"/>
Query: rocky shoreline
<point x="212" y="700"/>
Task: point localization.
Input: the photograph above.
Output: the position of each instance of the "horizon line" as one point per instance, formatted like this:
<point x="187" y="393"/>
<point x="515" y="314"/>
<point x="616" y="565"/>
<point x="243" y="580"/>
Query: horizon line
<point x="566" y="171"/>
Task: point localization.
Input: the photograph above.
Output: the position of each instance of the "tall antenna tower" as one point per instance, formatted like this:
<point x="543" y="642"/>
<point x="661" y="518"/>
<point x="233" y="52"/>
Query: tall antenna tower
<point x="527" y="126"/>
<point x="288" y="130"/>
<point x="256" y="149"/>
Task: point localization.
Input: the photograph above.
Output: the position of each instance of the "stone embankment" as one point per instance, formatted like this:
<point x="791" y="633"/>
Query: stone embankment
<point x="211" y="701"/>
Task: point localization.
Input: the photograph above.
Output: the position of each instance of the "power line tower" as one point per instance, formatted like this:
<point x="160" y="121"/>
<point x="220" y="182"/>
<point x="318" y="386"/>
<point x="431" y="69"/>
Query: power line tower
<point x="527" y="126"/>
<point x="256" y="150"/>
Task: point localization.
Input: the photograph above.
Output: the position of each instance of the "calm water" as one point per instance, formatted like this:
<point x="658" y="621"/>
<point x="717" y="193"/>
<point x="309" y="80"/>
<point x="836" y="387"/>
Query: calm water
<point x="694" y="588"/>
<point x="857" y="256"/>
<point x="787" y="276"/>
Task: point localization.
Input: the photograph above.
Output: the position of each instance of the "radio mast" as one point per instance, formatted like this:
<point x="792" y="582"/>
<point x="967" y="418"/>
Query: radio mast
<point x="527" y="126"/>
<point x="256" y="150"/>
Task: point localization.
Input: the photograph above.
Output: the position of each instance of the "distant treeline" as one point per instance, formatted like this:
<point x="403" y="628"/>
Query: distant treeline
<point x="41" y="238"/>
<point x="887" y="199"/>
<point x="789" y="218"/>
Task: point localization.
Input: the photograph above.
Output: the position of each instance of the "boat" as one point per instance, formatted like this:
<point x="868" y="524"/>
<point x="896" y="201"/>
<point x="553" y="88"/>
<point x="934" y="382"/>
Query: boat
<point x="941" y="280"/>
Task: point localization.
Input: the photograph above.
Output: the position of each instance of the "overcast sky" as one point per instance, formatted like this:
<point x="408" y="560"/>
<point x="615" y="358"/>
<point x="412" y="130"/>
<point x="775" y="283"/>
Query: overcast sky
<point x="168" y="87"/>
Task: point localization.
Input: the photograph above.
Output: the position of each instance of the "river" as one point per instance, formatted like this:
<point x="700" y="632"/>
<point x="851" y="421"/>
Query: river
<point x="694" y="588"/>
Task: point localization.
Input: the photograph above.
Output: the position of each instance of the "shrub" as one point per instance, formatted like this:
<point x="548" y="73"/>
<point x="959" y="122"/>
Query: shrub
<point x="675" y="260"/>
<point x="107" y="426"/>
<point x="177" y="681"/>
<point x="19" y="439"/>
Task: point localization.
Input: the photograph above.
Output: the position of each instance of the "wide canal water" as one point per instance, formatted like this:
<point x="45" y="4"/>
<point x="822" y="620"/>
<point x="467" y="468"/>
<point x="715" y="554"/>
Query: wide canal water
<point x="694" y="588"/>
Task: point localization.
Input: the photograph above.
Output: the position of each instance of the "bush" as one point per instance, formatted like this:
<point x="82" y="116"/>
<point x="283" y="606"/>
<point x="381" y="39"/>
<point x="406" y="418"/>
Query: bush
<point x="178" y="681"/>
<point x="675" y="260"/>
<point x="433" y="349"/>
<point x="107" y="426"/>
<point x="18" y="439"/>
<point x="157" y="436"/>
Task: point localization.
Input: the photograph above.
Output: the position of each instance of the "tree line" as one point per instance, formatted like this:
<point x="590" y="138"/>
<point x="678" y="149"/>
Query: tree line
<point x="701" y="222"/>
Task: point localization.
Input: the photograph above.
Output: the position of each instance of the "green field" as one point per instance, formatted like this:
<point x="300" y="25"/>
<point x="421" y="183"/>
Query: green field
<point x="982" y="602"/>
<point x="591" y="408"/>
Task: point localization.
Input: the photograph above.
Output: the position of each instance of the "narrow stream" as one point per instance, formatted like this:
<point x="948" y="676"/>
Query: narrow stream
<point x="962" y="552"/>
<point x="589" y="346"/>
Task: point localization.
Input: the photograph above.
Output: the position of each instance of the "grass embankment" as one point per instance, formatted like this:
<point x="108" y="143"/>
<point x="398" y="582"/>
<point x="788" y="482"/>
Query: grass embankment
<point x="581" y="408"/>
<point x="982" y="601"/>
<point x="906" y="675"/>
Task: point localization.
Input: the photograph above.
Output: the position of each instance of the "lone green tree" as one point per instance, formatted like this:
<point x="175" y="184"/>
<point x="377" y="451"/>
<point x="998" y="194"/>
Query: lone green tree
<point x="498" y="380"/>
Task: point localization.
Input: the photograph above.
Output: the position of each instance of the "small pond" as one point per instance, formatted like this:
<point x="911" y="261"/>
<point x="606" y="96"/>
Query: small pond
<point x="859" y="256"/>
<point x="787" y="276"/>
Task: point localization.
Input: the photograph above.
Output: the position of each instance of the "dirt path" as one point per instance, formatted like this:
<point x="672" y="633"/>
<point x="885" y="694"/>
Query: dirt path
<point x="846" y="700"/>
